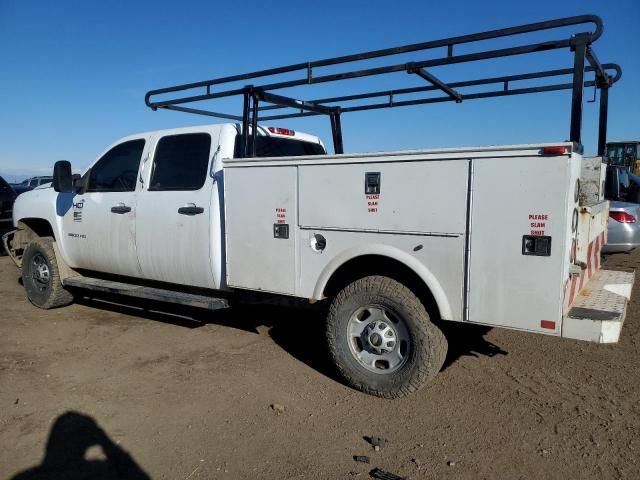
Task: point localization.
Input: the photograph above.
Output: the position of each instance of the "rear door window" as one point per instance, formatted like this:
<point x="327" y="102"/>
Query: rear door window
<point x="181" y="162"/>
<point x="281" y="147"/>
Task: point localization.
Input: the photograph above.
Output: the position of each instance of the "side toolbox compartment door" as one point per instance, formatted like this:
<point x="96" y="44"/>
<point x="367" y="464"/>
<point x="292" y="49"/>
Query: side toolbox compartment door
<point x="261" y="225"/>
<point x="513" y="201"/>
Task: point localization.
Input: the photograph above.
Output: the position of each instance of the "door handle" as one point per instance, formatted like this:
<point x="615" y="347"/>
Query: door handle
<point x="120" y="208"/>
<point x="190" y="209"/>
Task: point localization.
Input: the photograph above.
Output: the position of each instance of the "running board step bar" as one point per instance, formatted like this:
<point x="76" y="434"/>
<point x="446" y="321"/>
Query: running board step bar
<point x="149" y="293"/>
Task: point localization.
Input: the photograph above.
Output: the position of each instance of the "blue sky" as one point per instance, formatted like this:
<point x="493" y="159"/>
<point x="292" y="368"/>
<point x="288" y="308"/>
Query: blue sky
<point x="75" y="72"/>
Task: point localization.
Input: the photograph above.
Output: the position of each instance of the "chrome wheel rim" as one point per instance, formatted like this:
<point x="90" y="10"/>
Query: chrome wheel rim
<point x="41" y="273"/>
<point x="378" y="339"/>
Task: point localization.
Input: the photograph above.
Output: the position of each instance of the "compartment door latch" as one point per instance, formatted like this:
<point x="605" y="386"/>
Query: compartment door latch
<point x="537" y="245"/>
<point x="371" y="183"/>
<point x="280" y="230"/>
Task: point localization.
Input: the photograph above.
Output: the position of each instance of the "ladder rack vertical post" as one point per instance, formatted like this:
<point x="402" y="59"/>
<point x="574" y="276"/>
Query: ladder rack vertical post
<point x="245" y="124"/>
<point x="254" y="126"/>
<point x="336" y="130"/>
<point x="602" y="119"/>
<point x="579" y="49"/>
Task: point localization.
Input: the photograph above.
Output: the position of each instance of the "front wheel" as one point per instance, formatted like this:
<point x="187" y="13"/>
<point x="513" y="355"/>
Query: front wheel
<point x="381" y="338"/>
<point x="41" y="276"/>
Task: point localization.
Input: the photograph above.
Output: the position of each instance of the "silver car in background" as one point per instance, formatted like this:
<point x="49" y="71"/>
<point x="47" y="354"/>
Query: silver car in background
<point x="623" y="228"/>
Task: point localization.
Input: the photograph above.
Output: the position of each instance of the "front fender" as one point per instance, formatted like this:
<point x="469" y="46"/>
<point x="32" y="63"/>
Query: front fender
<point x="44" y="204"/>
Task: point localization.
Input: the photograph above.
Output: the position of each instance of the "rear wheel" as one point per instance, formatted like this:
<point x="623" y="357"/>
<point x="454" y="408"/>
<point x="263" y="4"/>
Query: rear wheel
<point x="381" y="338"/>
<point x="41" y="276"/>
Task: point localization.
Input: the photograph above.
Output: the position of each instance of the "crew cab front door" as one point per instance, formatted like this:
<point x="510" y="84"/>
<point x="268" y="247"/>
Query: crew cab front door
<point x="173" y="223"/>
<point x="99" y="227"/>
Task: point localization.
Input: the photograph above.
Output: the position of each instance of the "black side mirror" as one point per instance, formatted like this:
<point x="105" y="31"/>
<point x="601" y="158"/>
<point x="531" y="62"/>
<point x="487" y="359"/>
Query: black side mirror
<point x="62" y="178"/>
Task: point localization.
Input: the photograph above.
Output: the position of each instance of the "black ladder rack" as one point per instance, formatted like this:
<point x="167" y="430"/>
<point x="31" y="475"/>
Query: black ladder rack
<point x="579" y="43"/>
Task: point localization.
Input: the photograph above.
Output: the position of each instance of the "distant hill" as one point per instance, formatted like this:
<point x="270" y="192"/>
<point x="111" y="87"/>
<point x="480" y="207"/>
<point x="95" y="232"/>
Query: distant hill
<point x="16" y="175"/>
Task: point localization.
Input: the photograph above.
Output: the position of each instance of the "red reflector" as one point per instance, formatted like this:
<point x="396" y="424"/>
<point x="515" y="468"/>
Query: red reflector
<point x="622" y="217"/>
<point x="282" y="131"/>
<point x="555" y="150"/>
<point x="549" y="324"/>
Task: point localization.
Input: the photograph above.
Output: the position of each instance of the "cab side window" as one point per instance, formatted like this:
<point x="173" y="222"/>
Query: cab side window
<point x="181" y="162"/>
<point x="117" y="170"/>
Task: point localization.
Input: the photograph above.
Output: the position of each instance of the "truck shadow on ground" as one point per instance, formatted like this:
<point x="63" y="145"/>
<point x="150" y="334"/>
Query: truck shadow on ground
<point x="298" y="331"/>
<point x="71" y="437"/>
<point x="468" y="341"/>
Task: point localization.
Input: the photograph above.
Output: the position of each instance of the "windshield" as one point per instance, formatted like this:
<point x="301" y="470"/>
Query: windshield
<point x="281" y="147"/>
<point x="623" y="154"/>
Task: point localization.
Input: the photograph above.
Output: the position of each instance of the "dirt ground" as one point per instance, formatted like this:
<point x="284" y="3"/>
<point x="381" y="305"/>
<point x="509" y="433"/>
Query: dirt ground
<point x="103" y="389"/>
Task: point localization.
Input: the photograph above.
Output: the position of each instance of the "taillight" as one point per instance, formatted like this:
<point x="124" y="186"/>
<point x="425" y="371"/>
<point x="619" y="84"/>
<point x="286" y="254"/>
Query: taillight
<point x="622" y="217"/>
<point x="554" y="150"/>
<point x="281" y="131"/>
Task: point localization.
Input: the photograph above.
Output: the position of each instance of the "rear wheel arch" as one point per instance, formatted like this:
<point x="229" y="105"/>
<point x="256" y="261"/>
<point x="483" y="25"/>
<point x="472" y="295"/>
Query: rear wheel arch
<point x="408" y="271"/>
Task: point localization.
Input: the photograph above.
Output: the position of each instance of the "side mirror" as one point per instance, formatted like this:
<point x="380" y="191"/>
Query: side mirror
<point x="62" y="178"/>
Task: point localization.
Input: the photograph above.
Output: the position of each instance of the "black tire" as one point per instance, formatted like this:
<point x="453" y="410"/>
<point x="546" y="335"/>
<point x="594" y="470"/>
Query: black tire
<point x="44" y="291"/>
<point x="425" y="345"/>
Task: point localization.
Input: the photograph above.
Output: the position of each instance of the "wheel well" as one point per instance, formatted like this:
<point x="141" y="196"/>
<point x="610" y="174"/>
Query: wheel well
<point x="39" y="226"/>
<point x="367" y="265"/>
<point x="27" y="230"/>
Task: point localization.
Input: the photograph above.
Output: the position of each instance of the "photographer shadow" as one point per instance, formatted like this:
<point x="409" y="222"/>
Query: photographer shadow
<point x="71" y="437"/>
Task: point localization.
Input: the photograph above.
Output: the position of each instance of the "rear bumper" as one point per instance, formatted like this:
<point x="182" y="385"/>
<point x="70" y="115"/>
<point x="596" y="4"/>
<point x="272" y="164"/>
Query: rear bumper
<point x="622" y="237"/>
<point x="598" y="311"/>
<point x="619" y="247"/>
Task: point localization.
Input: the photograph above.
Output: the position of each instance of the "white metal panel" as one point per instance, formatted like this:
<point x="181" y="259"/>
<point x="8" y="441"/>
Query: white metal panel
<point x="256" y="199"/>
<point x="511" y="198"/>
<point x="426" y="197"/>
<point x="438" y="260"/>
<point x="173" y="247"/>
<point x="492" y="151"/>
<point x="97" y="239"/>
<point x="94" y="237"/>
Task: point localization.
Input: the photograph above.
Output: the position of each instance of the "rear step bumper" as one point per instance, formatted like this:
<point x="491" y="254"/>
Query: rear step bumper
<point x="149" y="293"/>
<point x="599" y="310"/>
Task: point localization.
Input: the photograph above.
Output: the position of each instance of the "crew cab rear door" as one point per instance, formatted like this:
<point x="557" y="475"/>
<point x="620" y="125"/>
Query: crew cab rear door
<point x="173" y="223"/>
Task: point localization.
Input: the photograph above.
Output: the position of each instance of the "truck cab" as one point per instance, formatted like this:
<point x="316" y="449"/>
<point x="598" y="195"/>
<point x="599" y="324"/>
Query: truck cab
<point x="151" y="205"/>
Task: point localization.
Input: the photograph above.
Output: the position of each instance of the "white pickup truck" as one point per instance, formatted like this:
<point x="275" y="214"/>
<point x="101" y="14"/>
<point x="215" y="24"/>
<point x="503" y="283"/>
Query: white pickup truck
<point x="391" y="240"/>
<point x="392" y="243"/>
